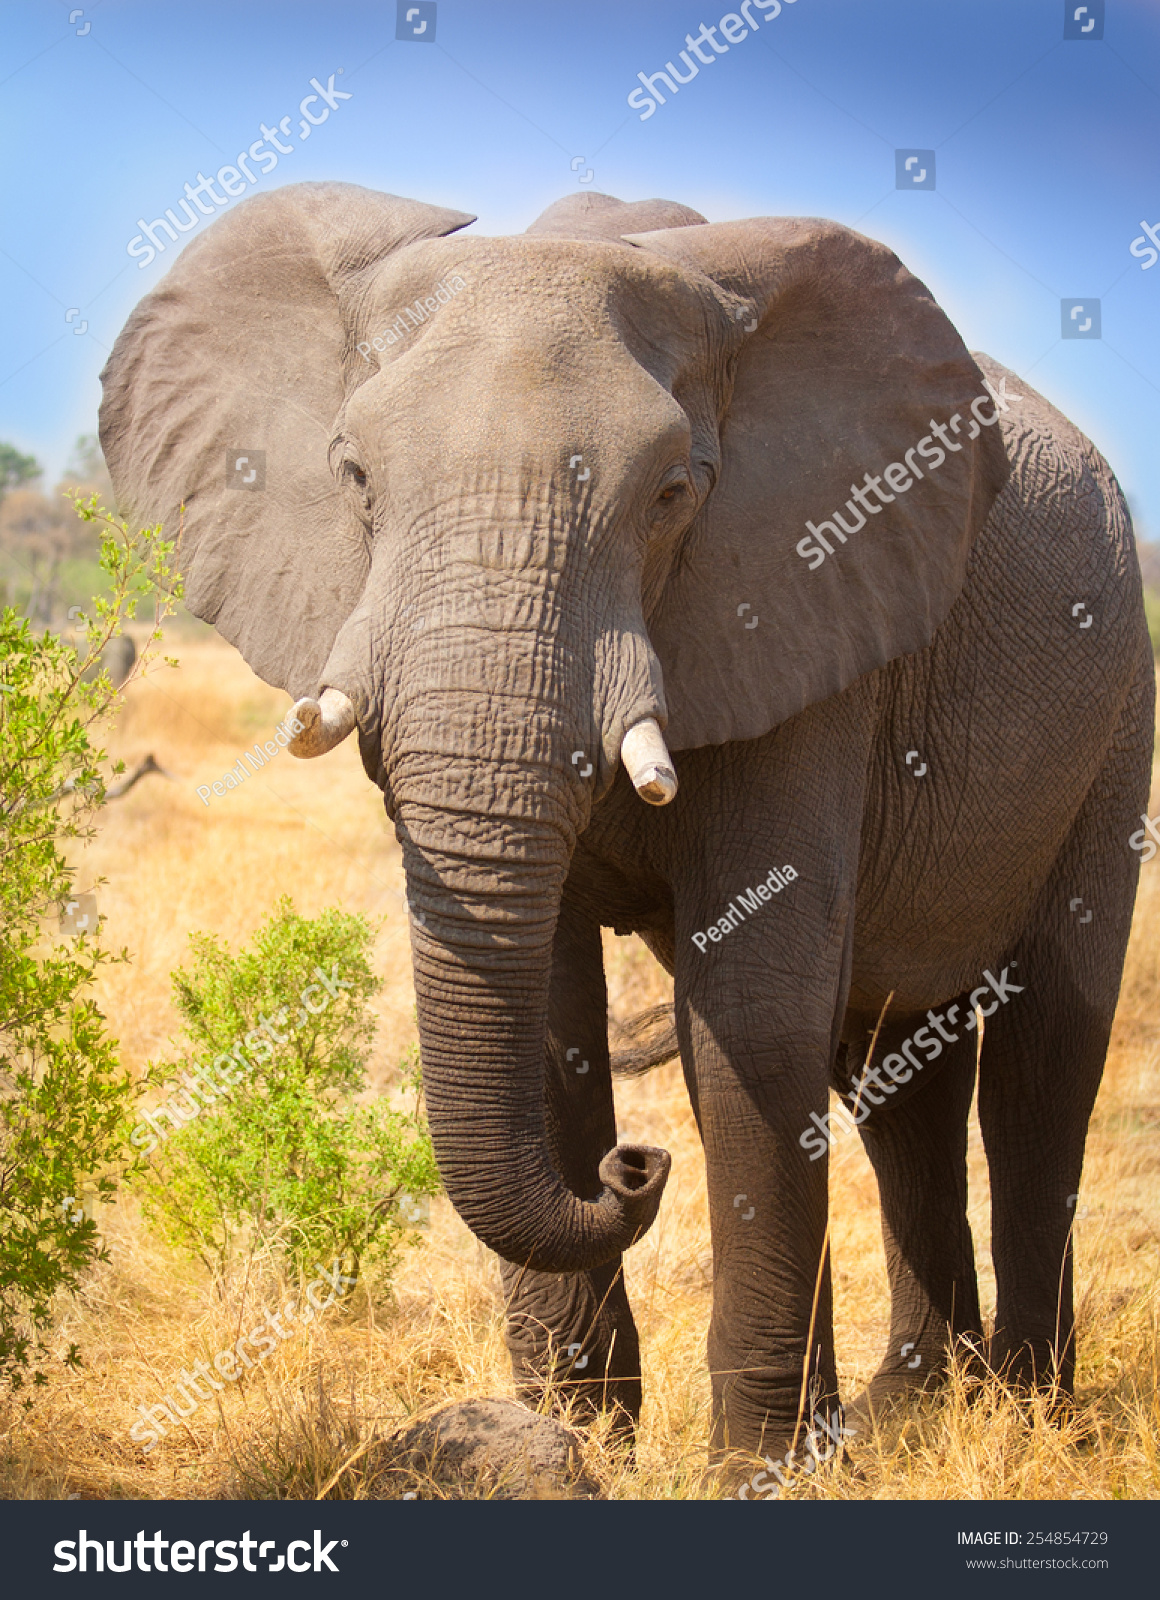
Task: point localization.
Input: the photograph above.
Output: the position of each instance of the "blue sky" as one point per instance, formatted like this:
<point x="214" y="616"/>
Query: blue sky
<point x="1047" y="157"/>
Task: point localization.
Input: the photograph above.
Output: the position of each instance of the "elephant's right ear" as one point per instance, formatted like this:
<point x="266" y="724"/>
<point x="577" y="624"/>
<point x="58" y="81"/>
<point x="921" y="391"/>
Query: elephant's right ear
<point x="804" y="570"/>
<point x="221" y="393"/>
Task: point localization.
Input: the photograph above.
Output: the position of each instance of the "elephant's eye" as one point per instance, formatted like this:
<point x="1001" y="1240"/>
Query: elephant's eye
<point x="673" y="491"/>
<point x="359" y="490"/>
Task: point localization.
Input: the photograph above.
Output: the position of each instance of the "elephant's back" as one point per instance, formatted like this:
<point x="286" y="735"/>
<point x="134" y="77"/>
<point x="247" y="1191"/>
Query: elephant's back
<point x="1062" y="483"/>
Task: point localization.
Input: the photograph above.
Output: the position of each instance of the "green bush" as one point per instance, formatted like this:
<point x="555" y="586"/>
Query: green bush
<point x="63" y="1095"/>
<point x="1152" y="612"/>
<point x="275" y="1151"/>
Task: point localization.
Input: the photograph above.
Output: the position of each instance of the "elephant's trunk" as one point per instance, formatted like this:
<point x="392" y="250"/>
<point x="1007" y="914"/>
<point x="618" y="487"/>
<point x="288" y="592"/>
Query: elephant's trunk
<point x="482" y="946"/>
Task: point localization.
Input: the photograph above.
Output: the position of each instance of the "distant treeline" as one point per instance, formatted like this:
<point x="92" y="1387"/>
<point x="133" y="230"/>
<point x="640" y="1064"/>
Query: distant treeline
<point x="49" y="558"/>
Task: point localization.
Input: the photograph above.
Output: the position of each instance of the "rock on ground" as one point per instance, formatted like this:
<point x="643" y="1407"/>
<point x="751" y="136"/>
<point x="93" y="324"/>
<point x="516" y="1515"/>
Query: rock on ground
<point x="486" y="1450"/>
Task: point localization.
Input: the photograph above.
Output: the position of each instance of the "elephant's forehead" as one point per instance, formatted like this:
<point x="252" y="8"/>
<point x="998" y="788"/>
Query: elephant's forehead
<point x="509" y="278"/>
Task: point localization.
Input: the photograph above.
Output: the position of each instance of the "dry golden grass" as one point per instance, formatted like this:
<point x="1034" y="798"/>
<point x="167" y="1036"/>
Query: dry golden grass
<point x="305" y="1421"/>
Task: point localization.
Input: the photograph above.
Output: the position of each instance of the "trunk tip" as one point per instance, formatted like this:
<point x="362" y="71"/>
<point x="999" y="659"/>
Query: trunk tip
<point x="636" y="1175"/>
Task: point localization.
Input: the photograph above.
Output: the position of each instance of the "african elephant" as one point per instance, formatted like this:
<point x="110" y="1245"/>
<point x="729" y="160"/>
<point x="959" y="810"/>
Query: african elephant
<point x="550" y="519"/>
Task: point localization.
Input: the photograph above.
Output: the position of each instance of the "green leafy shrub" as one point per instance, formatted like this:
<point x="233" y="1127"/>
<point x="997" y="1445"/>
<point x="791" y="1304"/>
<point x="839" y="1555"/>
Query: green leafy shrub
<point x="1152" y="612"/>
<point x="63" y="1095"/>
<point x="275" y="1151"/>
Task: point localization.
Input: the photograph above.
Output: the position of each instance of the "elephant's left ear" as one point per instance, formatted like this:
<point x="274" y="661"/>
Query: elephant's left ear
<point x="221" y="396"/>
<point x="838" y="533"/>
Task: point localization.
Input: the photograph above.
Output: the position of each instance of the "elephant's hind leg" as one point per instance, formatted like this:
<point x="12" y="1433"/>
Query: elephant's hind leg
<point x="572" y="1334"/>
<point x="1043" y="1057"/>
<point x="918" y="1149"/>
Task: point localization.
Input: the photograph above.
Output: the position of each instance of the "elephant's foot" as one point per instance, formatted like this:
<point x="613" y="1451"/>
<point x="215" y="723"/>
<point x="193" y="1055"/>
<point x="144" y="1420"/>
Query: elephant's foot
<point x="884" y="1396"/>
<point x="581" y="1401"/>
<point x="782" y="1456"/>
<point x="1032" y="1370"/>
<point x="574" y="1346"/>
<point x="742" y="1476"/>
<point x="914" y="1372"/>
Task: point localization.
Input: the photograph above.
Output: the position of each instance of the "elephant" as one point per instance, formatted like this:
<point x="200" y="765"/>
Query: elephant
<point x="549" y="520"/>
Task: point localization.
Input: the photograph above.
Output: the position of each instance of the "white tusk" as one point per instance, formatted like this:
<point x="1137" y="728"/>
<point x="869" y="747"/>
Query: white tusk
<point x="648" y="763"/>
<point x="325" y="723"/>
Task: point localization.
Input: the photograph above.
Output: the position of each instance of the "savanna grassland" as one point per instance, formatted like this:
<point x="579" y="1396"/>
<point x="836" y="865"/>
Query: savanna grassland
<point x="304" y="1422"/>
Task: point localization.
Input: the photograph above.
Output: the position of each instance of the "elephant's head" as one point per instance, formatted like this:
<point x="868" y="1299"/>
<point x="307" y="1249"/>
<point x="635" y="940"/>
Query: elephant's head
<point x="529" y="501"/>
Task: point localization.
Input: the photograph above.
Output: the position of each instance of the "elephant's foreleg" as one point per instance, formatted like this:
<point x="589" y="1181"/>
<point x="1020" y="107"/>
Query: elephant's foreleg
<point x="760" y="985"/>
<point x="771" y="1349"/>
<point x="918" y="1148"/>
<point x="573" y="1332"/>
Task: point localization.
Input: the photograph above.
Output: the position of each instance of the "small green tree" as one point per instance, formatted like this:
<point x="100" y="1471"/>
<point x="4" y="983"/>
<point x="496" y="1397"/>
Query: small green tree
<point x="1152" y="613"/>
<point x="261" y="1140"/>
<point x="16" y="469"/>
<point x="63" y="1095"/>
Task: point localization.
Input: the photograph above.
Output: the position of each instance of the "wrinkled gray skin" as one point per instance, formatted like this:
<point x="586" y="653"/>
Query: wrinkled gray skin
<point x="499" y="614"/>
